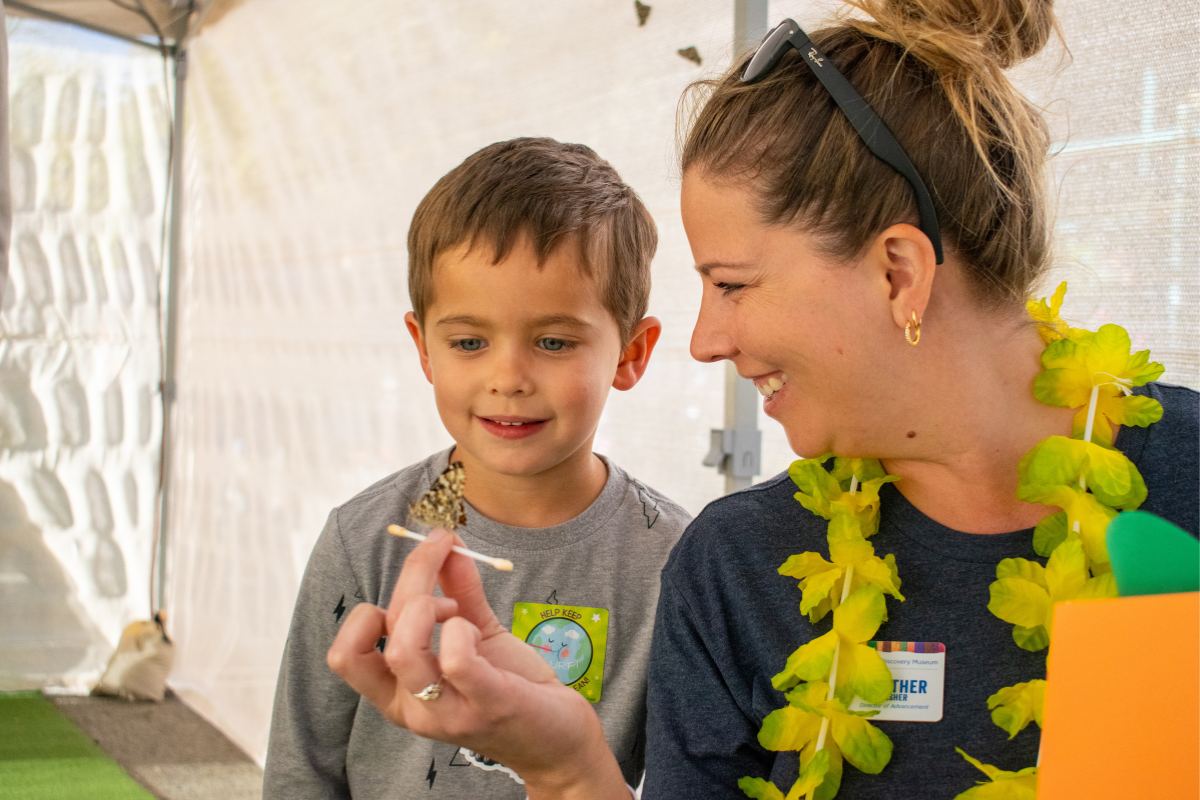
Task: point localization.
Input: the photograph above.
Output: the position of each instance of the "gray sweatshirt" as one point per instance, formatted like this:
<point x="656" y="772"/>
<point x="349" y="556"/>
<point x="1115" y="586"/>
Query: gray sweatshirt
<point x="583" y="592"/>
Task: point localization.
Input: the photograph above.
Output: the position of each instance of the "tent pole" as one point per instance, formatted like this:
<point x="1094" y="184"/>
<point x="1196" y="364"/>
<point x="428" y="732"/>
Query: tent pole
<point x="169" y="332"/>
<point x="749" y="24"/>
<point x="741" y="398"/>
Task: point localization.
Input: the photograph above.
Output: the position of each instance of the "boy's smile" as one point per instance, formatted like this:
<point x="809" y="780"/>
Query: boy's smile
<point x="521" y="359"/>
<point x="508" y="427"/>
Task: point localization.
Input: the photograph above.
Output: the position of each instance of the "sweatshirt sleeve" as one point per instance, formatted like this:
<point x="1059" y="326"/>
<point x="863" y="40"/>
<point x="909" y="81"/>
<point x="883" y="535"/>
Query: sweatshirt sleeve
<point x="314" y="708"/>
<point x="698" y="740"/>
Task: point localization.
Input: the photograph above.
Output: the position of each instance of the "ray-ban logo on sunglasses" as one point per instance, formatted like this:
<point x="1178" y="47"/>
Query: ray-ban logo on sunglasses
<point x="815" y="57"/>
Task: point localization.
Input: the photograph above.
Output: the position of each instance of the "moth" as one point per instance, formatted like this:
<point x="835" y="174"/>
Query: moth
<point x="442" y="505"/>
<point x="691" y="54"/>
<point x="643" y="12"/>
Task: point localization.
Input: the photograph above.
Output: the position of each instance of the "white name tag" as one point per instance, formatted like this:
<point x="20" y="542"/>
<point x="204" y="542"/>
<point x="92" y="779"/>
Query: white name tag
<point x="918" y="682"/>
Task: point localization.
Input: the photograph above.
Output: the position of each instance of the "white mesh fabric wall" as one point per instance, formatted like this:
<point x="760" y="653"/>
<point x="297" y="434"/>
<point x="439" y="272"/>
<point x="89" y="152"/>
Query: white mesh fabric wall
<point x="313" y="130"/>
<point x="1125" y="116"/>
<point x="79" y="361"/>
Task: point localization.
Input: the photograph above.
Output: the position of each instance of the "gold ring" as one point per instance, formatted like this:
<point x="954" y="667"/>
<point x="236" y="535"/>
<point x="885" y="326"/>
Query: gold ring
<point x="432" y="691"/>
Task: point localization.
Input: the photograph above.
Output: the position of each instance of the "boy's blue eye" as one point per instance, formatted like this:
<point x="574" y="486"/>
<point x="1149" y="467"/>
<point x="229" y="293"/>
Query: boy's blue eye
<point x="552" y="345"/>
<point x="470" y="345"/>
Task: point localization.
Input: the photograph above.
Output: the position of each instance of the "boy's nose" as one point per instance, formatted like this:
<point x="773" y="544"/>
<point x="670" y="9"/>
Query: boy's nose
<point x="510" y="376"/>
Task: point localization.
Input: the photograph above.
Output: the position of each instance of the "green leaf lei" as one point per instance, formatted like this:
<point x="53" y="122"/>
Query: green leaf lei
<point x="1082" y="475"/>
<point x="823" y="676"/>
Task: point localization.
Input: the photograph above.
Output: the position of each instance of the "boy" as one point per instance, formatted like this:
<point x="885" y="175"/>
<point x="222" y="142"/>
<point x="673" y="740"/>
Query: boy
<point x="529" y="272"/>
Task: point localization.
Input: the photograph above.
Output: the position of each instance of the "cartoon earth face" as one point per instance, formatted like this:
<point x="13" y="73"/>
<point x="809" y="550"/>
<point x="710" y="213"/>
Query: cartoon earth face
<point x="566" y="647"/>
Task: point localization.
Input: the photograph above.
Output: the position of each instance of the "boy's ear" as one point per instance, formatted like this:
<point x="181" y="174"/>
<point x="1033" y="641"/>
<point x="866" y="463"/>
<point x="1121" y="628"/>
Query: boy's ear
<point x="418" y="335"/>
<point x="637" y="354"/>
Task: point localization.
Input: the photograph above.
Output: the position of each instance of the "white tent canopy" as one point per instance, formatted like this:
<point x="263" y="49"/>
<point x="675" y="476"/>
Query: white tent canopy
<point x="149" y="22"/>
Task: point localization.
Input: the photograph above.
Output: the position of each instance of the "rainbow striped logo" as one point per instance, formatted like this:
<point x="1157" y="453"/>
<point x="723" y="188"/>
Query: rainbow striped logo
<point x="908" y="647"/>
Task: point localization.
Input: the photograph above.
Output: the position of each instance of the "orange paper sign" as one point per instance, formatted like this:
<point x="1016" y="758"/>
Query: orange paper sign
<point x="1122" y="714"/>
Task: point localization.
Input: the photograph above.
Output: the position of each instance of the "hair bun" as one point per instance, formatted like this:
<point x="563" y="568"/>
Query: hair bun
<point x="973" y="34"/>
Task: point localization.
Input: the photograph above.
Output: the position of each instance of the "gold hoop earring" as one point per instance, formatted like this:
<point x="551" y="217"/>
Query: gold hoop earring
<point x="912" y="330"/>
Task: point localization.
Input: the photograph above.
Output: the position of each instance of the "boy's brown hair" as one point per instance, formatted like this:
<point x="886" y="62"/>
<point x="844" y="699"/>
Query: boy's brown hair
<point x="554" y="193"/>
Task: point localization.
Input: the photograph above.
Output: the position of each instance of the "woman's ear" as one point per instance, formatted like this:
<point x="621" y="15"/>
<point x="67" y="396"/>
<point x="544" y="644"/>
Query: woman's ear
<point x="636" y="355"/>
<point x="418" y="335"/>
<point x="905" y="256"/>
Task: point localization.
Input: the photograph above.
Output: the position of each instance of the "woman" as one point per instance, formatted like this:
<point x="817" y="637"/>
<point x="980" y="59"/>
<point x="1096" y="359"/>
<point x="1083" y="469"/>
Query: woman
<point x="879" y="304"/>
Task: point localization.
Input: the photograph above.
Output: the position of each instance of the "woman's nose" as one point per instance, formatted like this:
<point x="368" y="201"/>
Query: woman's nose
<point x="712" y="338"/>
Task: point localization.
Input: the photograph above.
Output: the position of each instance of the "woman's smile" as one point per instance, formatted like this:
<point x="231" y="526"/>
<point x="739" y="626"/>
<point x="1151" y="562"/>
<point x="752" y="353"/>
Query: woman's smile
<point x="771" y="387"/>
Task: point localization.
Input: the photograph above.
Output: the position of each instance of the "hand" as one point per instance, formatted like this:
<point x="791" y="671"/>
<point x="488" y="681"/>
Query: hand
<point x="499" y="697"/>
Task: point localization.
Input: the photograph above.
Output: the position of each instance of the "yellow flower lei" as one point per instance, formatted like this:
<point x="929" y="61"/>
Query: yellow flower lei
<point x="1081" y="475"/>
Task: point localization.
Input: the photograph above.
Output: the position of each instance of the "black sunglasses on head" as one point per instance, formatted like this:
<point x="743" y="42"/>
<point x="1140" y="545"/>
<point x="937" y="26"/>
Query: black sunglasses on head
<point x="870" y="127"/>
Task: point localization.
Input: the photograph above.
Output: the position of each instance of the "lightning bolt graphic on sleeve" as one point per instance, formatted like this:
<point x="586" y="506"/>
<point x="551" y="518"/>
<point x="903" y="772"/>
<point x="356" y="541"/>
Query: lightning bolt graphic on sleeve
<point x="432" y="774"/>
<point x="341" y="608"/>
<point x="649" y="506"/>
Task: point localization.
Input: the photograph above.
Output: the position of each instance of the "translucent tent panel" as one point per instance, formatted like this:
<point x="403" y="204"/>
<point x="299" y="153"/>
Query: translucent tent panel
<point x="80" y="420"/>
<point x="313" y="130"/>
<point x="1126" y="173"/>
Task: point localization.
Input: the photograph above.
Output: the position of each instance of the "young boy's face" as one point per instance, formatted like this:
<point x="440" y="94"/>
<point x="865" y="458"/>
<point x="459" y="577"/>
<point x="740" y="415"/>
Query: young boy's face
<point x="521" y="359"/>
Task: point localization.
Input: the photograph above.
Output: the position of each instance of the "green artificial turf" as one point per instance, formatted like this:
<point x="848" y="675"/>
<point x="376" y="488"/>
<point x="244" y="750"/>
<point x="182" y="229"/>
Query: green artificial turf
<point x="44" y="756"/>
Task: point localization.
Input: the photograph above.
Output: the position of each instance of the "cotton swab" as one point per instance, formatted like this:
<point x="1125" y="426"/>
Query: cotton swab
<point x="502" y="564"/>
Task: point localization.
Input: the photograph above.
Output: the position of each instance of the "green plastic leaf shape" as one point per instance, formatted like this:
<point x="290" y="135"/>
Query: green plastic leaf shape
<point x="1014" y="707"/>
<point x="827" y="494"/>
<point x="795" y="725"/>
<point x="759" y="789"/>
<point x="1050" y="533"/>
<point x="811" y="776"/>
<point x="1076" y="365"/>
<point x="867" y="748"/>
<point x="1024" y="593"/>
<point x="1050" y="473"/>
<point x="1152" y="556"/>
<point x="1003" y="785"/>
<point x="861" y="670"/>
<point x="1046" y="313"/>
<point x="1059" y="461"/>
<point x="822" y="581"/>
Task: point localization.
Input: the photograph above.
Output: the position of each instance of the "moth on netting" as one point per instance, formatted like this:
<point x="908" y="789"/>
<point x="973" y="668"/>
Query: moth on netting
<point x="643" y="12"/>
<point x="442" y="507"/>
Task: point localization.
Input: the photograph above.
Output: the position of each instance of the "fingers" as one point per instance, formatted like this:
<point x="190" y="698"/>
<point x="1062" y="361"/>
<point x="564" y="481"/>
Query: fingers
<point x="409" y="652"/>
<point x="354" y="657"/>
<point x="431" y="563"/>
<point x="472" y="674"/>
<point x="420" y="572"/>
<point x="446" y="607"/>
<point x="459" y="578"/>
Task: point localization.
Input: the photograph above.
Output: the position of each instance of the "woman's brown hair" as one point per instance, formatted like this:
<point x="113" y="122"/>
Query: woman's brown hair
<point x="933" y="70"/>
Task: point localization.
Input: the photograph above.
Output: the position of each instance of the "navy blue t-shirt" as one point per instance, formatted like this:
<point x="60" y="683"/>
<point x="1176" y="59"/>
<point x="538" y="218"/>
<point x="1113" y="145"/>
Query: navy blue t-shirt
<point x="727" y="622"/>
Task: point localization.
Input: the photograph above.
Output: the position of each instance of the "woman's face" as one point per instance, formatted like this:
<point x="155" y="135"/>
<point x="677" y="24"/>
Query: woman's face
<point x="816" y="336"/>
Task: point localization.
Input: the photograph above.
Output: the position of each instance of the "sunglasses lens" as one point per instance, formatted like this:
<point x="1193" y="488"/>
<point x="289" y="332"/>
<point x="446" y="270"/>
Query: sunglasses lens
<point x="768" y="53"/>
